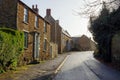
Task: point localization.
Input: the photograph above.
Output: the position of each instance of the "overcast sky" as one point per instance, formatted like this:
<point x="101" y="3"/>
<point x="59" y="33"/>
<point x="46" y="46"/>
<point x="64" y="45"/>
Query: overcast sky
<point x="64" y="11"/>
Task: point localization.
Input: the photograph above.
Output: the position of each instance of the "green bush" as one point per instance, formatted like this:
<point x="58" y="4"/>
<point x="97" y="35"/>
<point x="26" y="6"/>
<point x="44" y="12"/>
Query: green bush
<point x="11" y="46"/>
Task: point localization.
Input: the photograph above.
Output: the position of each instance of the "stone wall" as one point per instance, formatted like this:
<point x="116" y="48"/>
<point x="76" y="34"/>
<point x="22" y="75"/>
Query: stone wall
<point x="66" y="43"/>
<point x="46" y="54"/>
<point x="8" y="13"/>
<point x="53" y="29"/>
<point x="54" y="52"/>
<point x="83" y="43"/>
<point x="59" y="38"/>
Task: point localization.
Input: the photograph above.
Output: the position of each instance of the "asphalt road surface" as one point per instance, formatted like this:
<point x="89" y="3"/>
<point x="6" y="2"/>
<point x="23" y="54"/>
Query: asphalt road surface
<point x="82" y="66"/>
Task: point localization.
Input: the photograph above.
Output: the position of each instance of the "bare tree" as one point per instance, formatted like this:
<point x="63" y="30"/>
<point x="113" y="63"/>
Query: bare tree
<point x="92" y="7"/>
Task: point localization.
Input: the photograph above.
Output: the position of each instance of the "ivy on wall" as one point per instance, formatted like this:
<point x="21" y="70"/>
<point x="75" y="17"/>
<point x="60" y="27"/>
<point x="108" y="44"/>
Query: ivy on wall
<point x="11" y="46"/>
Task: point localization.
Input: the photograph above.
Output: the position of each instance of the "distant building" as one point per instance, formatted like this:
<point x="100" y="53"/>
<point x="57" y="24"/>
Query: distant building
<point x="57" y="34"/>
<point x="83" y="43"/>
<point x="66" y="41"/>
<point x="53" y="34"/>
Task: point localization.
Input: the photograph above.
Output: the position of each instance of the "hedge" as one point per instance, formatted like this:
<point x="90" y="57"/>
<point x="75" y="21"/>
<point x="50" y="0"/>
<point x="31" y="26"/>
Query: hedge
<point x="11" y="46"/>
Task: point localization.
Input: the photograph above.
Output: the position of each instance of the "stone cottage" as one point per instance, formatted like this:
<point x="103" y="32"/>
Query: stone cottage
<point x="58" y="35"/>
<point x="17" y="15"/>
<point x="83" y="43"/>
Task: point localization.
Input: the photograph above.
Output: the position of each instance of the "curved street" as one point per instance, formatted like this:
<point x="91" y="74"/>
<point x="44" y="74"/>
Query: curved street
<point x="82" y="66"/>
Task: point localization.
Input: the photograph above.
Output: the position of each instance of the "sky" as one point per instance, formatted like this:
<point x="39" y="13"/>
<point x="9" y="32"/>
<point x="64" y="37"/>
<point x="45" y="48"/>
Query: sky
<point x="64" y="11"/>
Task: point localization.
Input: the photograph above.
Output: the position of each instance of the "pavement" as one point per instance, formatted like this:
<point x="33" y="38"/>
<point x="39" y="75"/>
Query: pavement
<point x="43" y="71"/>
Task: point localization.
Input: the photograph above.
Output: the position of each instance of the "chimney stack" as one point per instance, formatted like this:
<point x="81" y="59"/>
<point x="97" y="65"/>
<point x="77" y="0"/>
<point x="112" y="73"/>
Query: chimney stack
<point x="32" y="6"/>
<point x="48" y="12"/>
<point x="35" y="9"/>
<point x="57" y="21"/>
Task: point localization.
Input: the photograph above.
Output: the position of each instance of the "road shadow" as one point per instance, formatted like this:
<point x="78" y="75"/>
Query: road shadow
<point x="45" y="77"/>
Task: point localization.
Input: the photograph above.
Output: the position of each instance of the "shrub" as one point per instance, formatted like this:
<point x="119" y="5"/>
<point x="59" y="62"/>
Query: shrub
<point x="11" y="46"/>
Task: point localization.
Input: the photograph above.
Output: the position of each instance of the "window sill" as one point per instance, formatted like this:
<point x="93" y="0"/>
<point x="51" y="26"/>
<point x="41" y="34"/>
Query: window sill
<point x="25" y="22"/>
<point x="44" y="32"/>
<point x="36" y="27"/>
<point x="25" y="48"/>
<point x="44" y="50"/>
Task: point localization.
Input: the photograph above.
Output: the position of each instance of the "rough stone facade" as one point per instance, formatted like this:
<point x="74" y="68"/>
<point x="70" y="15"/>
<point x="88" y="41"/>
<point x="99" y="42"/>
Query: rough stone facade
<point x="46" y="54"/>
<point x="57" y="36"/>
<point x="8" y="13"/>
<point x="31" y="29"/>
<point x="53" y="30"/>
<point x="53" y="48"/>
<point x="52" y="21"/>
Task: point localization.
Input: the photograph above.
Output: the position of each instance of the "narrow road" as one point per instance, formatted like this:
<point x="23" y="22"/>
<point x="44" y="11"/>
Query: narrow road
<point x="82" y="66"/>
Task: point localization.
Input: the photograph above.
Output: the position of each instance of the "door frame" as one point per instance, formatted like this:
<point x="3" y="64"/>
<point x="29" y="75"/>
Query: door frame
<point x="36" y="46"/>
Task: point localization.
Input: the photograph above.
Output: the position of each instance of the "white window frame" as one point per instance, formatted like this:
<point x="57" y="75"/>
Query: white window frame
<point x="45" y="26"/>
<point x="25" y="15"/>
<point x="45" y="45"/>
<point x="36" y="21"/>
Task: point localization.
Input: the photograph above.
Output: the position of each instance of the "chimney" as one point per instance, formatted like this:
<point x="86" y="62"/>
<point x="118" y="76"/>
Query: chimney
<point x="48" y="12"/>
<point x="32" y="6"/>
<point x="57" y="21"/>
<point x="35" y="9"/>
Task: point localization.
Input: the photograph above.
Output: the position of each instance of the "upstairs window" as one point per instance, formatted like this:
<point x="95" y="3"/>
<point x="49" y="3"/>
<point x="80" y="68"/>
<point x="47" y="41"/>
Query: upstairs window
<point x="26" y="15"/>
<point x="36" y="21"/>
<point x="45" y="27"/>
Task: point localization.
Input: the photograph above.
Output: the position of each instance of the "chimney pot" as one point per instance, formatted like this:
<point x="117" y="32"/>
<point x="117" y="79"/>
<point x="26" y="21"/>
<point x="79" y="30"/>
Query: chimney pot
<point x="57" y="21"/>
<point x="48" y="12"/>
<point x="36" y="6"/>
<point x="32" y="6"/>
<point x="35" y="9"/>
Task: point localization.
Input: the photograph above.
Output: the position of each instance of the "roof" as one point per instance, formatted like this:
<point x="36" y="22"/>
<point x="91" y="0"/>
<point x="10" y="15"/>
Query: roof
<point x="32" y="10"/>
<point x="77" y="36"/>
<point x="80" y="37"/>
<point x="66" y="32"/>
<point x="50" y="19"/>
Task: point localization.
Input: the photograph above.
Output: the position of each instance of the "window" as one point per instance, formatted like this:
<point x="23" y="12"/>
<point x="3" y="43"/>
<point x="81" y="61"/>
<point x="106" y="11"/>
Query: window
<point x="45" y="27"/>
<point x="25" y="15"/>
<point x="25" y="39"/>
<point x="50" y="49"/>
<point x="36" y="21"/>
<point x="45" y="44"/>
